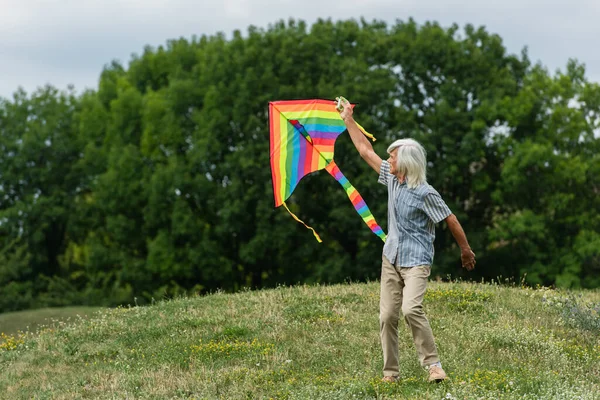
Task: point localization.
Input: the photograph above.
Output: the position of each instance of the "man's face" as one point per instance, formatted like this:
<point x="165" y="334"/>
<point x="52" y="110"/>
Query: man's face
<point x="392" y="161"/>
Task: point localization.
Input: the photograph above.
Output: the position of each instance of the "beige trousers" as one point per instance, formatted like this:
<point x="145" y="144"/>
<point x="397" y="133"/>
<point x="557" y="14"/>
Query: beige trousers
<point x="404" y="289"/>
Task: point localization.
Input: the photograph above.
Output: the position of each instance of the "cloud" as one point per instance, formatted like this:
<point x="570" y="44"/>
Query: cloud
<point x="69" y="41"/>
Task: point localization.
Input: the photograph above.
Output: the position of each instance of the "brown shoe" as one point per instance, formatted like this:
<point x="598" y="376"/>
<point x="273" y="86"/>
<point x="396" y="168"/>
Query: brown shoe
<point x="436" y="374"/>
<point x="390" y="379"/>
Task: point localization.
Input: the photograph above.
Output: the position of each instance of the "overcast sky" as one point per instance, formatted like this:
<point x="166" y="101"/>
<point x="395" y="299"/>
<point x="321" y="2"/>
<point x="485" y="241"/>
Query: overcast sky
<point x="64" y="42"/>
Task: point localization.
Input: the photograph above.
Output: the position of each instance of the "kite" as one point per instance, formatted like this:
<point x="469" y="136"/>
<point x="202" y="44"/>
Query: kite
<point x="303" y="134"/>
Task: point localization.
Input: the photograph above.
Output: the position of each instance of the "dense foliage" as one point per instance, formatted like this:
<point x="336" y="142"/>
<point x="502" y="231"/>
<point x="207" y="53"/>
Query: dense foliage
<point x="158" y="182"/>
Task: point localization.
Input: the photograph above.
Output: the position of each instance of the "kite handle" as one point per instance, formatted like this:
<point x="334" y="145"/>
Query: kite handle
<point x="339" y="105"/>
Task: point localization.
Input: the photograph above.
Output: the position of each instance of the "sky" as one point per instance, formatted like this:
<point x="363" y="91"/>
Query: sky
<point x="68" y="42"/>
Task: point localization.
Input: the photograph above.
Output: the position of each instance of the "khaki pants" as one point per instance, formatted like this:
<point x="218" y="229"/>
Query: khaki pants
<point x="404" y="289"/>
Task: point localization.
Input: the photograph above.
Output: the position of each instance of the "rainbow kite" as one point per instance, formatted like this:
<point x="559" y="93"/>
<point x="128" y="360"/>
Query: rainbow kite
<point x="303" y="134"/>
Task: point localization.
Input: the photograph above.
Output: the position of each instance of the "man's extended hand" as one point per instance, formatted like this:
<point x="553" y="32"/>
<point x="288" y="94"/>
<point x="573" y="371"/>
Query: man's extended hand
<point x="468" y="259"/>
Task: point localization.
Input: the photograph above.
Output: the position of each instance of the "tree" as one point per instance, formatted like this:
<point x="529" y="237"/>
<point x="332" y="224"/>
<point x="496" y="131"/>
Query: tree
<point x="159" y="182"/>
<point x="547" y="221"/>
<point x="40" y="148"/>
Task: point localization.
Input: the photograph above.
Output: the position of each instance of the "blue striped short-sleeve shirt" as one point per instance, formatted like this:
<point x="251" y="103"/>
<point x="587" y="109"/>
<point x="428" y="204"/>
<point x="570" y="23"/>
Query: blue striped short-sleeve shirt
<point x="412" y="215"/>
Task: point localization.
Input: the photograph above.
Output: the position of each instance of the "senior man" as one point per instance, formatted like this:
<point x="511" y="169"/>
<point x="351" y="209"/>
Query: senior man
<point x="414" y="208"/>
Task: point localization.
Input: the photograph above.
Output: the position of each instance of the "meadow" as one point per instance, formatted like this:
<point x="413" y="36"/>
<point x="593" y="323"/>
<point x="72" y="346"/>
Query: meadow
<point x="312" y="342"/>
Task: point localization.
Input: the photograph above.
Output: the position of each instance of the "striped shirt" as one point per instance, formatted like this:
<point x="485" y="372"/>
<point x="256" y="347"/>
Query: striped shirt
<point x="412" y="215"/>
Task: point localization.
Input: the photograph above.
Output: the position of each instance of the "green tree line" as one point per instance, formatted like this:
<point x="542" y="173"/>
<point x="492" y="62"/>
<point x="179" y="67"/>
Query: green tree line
<point x="158" y="182"/>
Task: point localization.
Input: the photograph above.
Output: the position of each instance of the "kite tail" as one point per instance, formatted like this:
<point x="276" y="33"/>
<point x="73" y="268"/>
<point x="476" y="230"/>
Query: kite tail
<point x="367" y="134"/>
<point x="302" y="222"/>
<point x="357" y="201"/>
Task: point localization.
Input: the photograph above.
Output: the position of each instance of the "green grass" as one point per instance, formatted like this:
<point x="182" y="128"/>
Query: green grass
<point x="13" y="322"/>
<point x="319" y="342"/>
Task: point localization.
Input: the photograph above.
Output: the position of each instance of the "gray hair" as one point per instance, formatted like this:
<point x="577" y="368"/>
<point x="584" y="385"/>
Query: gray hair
<point x="411" y="161"/>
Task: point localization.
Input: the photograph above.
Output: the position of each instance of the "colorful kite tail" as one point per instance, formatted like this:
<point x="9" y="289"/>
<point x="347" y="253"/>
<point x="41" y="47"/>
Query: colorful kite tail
<point x="302" y="222"/>
<point x="357" y="201"/>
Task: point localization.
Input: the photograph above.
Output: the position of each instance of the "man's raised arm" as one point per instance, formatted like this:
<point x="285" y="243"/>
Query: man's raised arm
<point x="362" y="144"/>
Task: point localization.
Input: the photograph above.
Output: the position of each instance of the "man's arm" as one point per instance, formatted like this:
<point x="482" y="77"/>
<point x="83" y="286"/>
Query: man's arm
<point x="466" y="254"/>
<point x="362" y="144"/>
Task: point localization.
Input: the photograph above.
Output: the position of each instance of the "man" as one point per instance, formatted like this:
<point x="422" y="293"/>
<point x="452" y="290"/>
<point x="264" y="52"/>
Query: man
<point x="414" y="207"/>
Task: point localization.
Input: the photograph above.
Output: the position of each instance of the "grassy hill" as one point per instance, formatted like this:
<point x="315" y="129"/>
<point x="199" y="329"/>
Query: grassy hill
<point x="30" y="320"/>
<point x="318" y="342"/>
